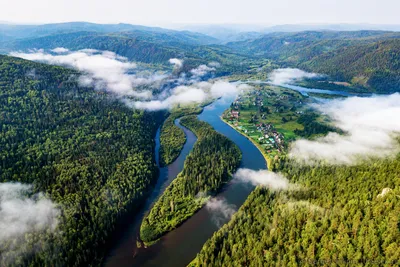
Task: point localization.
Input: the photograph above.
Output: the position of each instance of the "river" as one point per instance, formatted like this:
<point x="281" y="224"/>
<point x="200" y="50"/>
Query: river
<point x="180" y="246"/>
<point x="304" y="90"/>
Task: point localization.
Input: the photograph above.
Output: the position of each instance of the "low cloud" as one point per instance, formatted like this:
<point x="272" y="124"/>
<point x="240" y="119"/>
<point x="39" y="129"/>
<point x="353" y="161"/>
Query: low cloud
<point x="103" y="70"/>
<point x="190" y="94"/>
<point x="201" y="70"/>
<point x="180" y="95"/>
<point x="289" y="75"/>
<point x="221" y="211"/>
<point x="371" y="125"/>
<point x="60" y="50"/>
<point x="272" y="180"/>
<point x="223" y="89"/>
<point x="22" y="212"/>
<point x="178" y="63"/>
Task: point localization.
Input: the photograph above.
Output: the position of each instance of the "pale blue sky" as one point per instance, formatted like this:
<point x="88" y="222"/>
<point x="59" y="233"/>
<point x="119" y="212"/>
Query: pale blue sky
<point x="167" y="12"/>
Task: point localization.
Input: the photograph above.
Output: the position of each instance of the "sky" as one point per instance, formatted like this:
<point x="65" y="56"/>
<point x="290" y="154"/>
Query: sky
<point x="171" y="12"/>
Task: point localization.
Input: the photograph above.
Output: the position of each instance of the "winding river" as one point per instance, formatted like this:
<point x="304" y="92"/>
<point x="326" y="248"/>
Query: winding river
<point x="180" y="246"/>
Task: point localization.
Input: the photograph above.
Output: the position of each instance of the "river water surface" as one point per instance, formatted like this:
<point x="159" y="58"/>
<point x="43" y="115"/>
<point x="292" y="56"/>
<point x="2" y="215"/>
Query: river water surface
<point x="181" y="245"/>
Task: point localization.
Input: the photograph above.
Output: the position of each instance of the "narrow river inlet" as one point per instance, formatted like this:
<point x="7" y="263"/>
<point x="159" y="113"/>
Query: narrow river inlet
<point x="180" y="246"/>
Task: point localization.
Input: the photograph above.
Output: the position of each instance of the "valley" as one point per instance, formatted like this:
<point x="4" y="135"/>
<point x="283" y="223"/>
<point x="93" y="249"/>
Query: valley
<point x="144" y="146"/>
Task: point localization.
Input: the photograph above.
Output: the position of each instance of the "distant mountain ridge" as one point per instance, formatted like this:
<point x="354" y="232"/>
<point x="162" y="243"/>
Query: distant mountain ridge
<point x="370" y="56"/>
<point x="33" y="31"/>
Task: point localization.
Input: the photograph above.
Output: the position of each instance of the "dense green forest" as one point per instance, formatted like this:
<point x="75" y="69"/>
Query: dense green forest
<point x="94" y="157"/>
<point x="90" y="154"/>
<point x="312" y="127"/>
<point x="207" y="168"/>
<point x="172" y="138"/>
<point x="143" y="46"/>
<point x="338" y="216"/>
<point x="375" y="66"/>
<point x="368" y="60"/>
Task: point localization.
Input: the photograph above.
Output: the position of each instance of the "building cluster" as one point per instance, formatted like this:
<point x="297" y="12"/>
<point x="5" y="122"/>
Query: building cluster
<point x="270" y="135"/>
<point x="234" y="114"/>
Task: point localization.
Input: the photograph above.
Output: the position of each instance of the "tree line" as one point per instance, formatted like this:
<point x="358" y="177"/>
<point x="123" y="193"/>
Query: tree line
<point x="207" y="168"/>
<point x="337" y="216"/>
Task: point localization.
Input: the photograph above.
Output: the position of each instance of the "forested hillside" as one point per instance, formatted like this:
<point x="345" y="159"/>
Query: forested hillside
<point x="340" y="216"/>
<point x="375" y="65"/>
<point x="88" y="153"/>
<point x="208" y="167"/>
<point x="300" y="46"/>
<point x="365" y="59"/>
<point x="151" y="47"/>
<point x="172" y="138"/>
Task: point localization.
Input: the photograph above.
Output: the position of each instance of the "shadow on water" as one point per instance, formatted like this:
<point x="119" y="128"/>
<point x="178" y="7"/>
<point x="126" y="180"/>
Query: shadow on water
<point x="123" y="251"/>
<point x="180" y="246"/>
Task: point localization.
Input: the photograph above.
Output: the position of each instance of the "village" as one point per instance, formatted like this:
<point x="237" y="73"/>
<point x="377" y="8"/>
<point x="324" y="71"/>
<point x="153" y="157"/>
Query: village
<point x="263" y="133"/>
<point x="268" y="116"/>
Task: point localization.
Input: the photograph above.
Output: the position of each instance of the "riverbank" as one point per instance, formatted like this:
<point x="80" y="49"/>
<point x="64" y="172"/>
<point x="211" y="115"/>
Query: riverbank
<point x="180" y="246"/>
<point x="207" y="168"/>
<point x="267" y="158"/>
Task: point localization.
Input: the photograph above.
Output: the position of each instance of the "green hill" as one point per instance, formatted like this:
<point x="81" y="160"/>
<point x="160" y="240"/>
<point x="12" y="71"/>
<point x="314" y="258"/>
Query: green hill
<point x="88" y="153"/>
<point x="340" y="216"/>
<point x="367" y="59"/>
<point x="375" y="65"/>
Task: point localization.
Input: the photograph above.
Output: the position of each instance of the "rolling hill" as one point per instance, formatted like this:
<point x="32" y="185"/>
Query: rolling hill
<point x="88" y="153"/>
<point x="365" y="59"/>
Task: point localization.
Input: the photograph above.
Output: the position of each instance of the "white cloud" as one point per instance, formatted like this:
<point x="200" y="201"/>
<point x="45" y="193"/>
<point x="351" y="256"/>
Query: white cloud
<point x="272" y="180"/>
<point x="221" y="211"/>
<point x="223" y="88"/>
<point x="180" y="95"/>
<point x="289" y="75"/>
<point x="22" y="213"/>
<point x="178" y="63"/>
<point x="370" y="125"/>
<point x="201" y="70"/>
<point x="188" y="94"/>
<point x="104" y="70"/>
<point x="60" y="50"/>
<point x="214" y="64"/>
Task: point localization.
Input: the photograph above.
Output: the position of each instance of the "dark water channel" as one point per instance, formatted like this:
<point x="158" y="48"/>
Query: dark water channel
<point x="180" y="246"/>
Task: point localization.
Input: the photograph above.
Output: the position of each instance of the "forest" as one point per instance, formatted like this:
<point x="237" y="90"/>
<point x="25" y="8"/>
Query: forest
<point x="367" y="60"/>
<point x="335" y="216"/>
<point x="312" y="127"/>
<point x="172" y="138"/>
<point x="83" y="149"/>
<point x="93" y="156"/>
<point x="207" y="168"/>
